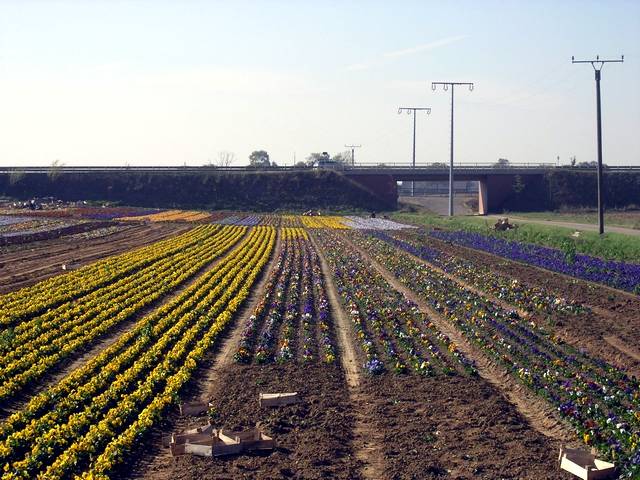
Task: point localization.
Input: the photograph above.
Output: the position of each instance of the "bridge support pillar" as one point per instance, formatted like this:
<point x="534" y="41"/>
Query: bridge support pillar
<point x="483" y="197"/>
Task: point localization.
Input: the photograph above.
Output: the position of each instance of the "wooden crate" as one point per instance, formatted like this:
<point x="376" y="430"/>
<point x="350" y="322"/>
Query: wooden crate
<point x="249" y="440"/>
<point x="225" y="445"/>
<point x="585" y="465"/>
<point x="199" y="449"/>
<point x="207" y="441"/>
<point x="278" y="399"/>
<point x="192" y="443"/>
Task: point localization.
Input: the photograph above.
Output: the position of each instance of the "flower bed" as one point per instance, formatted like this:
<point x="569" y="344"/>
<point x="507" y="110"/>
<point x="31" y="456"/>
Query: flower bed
<point x="361" y="223"/>
<point x="391" y="331"/>
<point x="30" y="226"/>
<point x="600" y="400"/>
<point x="621" y="275"/>
<point x="170" y="216"/>
<point x="292" y="319"/>
<point x="531" y="299"/>
<point x="324" y="221"/>
<point x="88" y="423"/>
<point x="39" y="342"/>
<point x="247" y="221"/>
<point x="110" y="213"/>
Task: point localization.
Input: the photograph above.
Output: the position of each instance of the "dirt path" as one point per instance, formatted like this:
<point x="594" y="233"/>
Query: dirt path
<point x="571" y="225"/>
<point x="541" y="416"/>
<point x="369" y="439"/>
<point x="623" y="347"/>
<point x="231" y="340"/>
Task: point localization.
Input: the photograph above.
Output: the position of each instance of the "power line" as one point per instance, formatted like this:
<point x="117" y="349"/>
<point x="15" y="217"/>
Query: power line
<point x="353" y="152"/>
<point x="446" y="86"/>
<point x="597" y="65"/>
<point x="413" y="110"/>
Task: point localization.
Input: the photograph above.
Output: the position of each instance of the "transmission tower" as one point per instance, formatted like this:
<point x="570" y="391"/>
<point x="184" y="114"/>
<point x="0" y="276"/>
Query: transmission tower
<point x="446" y="86"/>
<point x="597" y="65"/>
<point x="413" y="110"/>
<point x="353" y="153"/>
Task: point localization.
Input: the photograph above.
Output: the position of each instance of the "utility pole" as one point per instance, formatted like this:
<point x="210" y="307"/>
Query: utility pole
<point x="446" y="86"/>
<point x="597" y="65"/>
<point x="353" y="153"/>
<point x="413" y="110"/>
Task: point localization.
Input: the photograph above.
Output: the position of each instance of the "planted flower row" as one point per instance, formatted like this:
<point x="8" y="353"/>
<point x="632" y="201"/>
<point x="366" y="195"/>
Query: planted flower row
<point x="62" y="289"/>
<point x="531" y="299"/>
<point x="247" y="220"/>
<point x="292" y="315"/>
<point x="621" y="275"/>
<point x="373" y="223"/>
<point x="322" y="313"/>
<point x="600" y="400"/>
<point x="392" y="332"/>
<point x="324" y="221"/>
<point x="88" y="423"/>
<point x="38" y="345"/>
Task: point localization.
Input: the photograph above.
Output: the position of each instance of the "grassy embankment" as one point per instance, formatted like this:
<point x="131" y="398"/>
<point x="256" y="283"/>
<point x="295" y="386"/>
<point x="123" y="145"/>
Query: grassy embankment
<point x="627" y="219"/>
<point x="612" y="246"/>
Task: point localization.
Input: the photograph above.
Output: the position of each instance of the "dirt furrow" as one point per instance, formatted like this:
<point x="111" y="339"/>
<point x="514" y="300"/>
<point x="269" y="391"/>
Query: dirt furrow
<point x="368" y="441"/>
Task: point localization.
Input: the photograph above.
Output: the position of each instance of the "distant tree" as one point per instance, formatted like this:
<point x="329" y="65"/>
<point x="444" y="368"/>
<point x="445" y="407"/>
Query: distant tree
<point x="438" y="165"/>
<point x="593" y="164"/>
<point x="301" y="164"/>
<point x="343" y="157"/>
<point x="313" y="158"/>
<point x="502" y="163"/>
<point x="15" y="176"/>
<point x="259" y="158"/>
<point x="573" y="161"/>
<point x="226" y="158"/>
<point x="55" y="170"/>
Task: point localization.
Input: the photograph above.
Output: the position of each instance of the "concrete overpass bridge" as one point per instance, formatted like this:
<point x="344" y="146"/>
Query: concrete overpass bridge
<point x="495" y="181"/>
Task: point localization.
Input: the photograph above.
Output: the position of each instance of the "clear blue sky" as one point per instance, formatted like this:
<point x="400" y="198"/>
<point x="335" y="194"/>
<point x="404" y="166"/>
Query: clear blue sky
<point x="159" y="82"/>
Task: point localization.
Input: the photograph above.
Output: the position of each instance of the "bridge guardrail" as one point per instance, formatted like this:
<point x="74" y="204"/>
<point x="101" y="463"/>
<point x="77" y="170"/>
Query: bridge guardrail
<point x="461" y="167"/>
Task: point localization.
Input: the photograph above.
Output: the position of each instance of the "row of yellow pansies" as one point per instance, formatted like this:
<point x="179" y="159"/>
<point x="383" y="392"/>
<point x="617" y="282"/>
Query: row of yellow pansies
<point x="36" y="358"/>
<point x="171" y="216"/>
<point x="120" y="292"/>
<point x="81" y="279"/>
<point x="29" y="301"/>
<point x="90" y="428"/>
<point x="289" y="233"/>
<point x="86" y="382"/>
<point x="116" y="450"/>
<point x="323" y="221"/>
